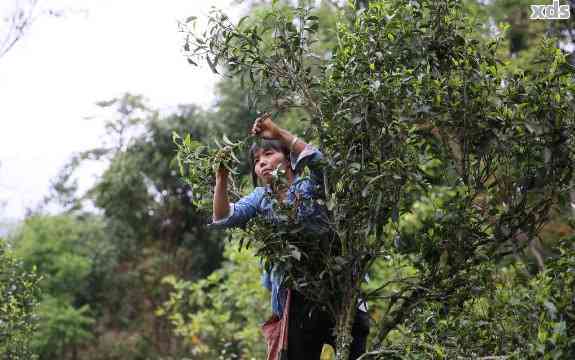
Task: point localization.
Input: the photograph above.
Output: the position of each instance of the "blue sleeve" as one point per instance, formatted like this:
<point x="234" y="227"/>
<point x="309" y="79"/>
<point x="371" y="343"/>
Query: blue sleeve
<point x="266" y="280"/>
<point x="313" y="159"/>
<point x="241" y="211"/>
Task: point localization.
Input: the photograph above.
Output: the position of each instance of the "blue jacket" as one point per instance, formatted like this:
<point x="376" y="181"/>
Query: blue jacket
<point x="310" y="214"/>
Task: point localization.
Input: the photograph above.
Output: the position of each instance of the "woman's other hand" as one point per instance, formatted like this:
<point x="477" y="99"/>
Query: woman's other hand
<point x="222" y="173"/>
<point x="264" y="127"/>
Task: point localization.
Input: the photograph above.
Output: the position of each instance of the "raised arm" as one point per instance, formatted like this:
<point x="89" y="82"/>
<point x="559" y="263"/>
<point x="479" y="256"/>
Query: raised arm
<point x="226" y="214"/>
<point x="302" y="154"/>
<point x="221" y="207"/>
<point x="265" y="127"/>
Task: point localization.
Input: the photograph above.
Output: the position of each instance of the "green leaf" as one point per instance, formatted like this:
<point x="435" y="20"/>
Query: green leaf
<point x="341" y="261"/>
<point x="354" y="167"/>
<point x="234" y="157"/>
<point x="313" y="27"/>
<point x="227" y="140"/>
<point x="175" y="136"/>
<point x="180" y="164"/>
<point x="551" y="308"/>
<point x="365" y="190"/>
<point x="242" y="20"/>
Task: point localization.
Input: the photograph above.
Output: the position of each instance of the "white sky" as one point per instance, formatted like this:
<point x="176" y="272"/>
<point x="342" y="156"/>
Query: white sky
<point x="100" y="49"/>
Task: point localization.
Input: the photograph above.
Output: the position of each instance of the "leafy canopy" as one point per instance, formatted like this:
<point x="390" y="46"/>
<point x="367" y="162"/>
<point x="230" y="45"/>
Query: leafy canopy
<point x="414" y="111"/>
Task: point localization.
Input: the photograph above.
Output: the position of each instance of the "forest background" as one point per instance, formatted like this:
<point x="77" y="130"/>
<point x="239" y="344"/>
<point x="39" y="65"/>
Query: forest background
<point x="144" y="278"/>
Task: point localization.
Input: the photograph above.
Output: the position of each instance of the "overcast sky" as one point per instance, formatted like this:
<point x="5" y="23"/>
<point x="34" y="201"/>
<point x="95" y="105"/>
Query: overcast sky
<point x="98" y="50"/>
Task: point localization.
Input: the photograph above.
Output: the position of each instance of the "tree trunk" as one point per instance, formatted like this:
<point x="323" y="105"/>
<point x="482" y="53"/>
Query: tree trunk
<point x="572" y="197"/>
<point x="343" y="326"/>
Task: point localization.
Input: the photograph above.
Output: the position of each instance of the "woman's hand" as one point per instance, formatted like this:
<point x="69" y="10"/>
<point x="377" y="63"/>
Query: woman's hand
<point x="265" y="128"/>
<point x="222" y="173"/>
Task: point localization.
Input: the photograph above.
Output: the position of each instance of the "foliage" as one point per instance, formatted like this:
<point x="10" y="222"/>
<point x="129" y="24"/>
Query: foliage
<point x="62" y="328"/>
<point x="516" y="317"/>
<point x="19" y="294"/>
<point x="444" y="155"/>
<point x="139" y="192"/>
<point x="68" y="250"/>
<point x="75" y="260"/>
<point x="219" y="316"/>
<point x="277" y="64"/>
<point x="523" y="32"/>
<point x="148" y="216"/>
<point x="413" y="108"/>
<point x="198" y="164"/>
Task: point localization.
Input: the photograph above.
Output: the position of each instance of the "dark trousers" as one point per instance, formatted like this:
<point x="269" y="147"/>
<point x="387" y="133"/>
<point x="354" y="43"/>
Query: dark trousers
<point x="310" y="328"/>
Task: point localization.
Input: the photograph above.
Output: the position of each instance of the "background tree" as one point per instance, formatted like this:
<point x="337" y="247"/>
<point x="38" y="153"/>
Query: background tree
<point x="147" y="214"/>
<point x="16" y="24"/>
<point x="20" y="16"/>
<point x="74" y="259"/>
<point x="219" y="316"/>
<point x="19" y="293"/>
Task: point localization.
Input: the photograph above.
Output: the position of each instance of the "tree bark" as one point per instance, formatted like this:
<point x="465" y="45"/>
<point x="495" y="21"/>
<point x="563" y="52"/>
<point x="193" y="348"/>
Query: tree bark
<point x="343" y="326"/>
<point x="572" y="197"/>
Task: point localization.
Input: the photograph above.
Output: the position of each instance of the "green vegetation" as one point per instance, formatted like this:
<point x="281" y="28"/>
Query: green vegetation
<point x="219" y="316"/>
<point x="449" y="179"/>
<point x="19" y="294"/>
<point x="423" y="125"/>
<point x="74" y="259"/>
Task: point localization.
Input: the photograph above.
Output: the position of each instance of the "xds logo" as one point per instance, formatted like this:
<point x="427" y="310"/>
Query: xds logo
<point x="550" y="12"/>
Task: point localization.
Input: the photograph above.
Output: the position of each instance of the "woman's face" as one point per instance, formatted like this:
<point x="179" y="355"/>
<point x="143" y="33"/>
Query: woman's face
<point x="266" y="161"/>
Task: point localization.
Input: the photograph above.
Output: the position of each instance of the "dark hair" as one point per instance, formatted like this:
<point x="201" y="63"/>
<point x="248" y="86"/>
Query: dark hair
<point x="265" y="144"/>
